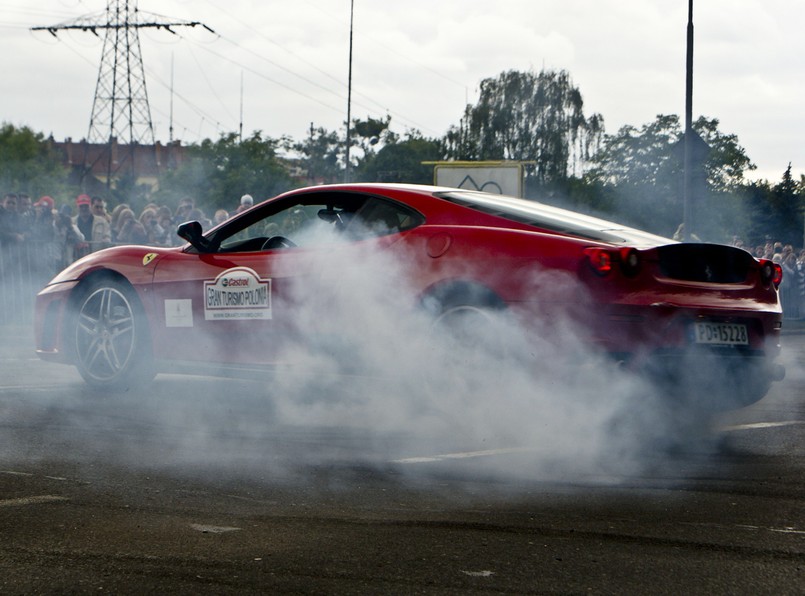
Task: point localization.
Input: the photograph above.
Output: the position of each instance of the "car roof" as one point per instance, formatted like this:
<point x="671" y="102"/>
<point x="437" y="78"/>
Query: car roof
<point x="524" y="211"/>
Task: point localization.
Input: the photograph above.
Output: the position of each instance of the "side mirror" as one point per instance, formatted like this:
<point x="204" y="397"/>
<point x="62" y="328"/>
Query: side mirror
<point x="191" y="231"/>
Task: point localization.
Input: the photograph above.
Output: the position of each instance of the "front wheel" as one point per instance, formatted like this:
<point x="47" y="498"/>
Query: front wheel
<point x="111" y="342"/>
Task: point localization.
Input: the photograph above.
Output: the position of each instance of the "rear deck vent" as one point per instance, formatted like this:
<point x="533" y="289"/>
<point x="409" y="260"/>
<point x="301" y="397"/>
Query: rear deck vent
<point x="707" y="263"/>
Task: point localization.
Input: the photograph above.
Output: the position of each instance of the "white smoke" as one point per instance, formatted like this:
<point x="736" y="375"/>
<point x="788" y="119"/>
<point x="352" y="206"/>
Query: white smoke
<point x="377" y="366"/>
<point x="373" y="384"/>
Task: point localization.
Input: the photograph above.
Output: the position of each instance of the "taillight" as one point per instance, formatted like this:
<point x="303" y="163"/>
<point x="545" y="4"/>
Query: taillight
<point x="602" y="260"/>
<point x="771" y="273"/>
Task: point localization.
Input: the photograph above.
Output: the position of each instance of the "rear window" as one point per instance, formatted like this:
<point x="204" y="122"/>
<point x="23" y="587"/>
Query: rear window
<point x="541" y="216"/>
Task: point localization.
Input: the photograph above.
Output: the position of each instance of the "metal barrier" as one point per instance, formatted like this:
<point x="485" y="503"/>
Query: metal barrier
<point x="25" y="268"/>
<point x="791" y="297"/>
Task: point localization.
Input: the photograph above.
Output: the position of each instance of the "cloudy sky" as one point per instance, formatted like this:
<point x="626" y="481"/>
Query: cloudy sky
<point x="420" y="62"/>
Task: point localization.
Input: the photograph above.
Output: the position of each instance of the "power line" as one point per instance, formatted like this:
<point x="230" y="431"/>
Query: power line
<point x="341" y="96"/>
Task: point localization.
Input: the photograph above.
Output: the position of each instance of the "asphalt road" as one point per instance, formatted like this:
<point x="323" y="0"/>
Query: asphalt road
<point x="198" y="485"/>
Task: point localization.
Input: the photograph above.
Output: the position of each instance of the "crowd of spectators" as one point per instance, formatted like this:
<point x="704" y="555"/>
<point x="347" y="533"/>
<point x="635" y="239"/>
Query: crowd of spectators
<point x="39" y="238"/>
<point x="792" y="260"/>
<point x="45" y="236"/>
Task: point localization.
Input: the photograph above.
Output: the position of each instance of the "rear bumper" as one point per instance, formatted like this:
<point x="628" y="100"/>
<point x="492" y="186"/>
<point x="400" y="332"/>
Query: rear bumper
<point x="710" y="378"/>
<point x="668" y="328"/>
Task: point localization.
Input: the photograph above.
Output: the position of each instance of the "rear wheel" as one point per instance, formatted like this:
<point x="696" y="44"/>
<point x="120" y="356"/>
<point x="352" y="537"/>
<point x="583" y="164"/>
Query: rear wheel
<point x="112" y="350"/>
<point x="472" y="332"/>
<point x="476" y="328"/>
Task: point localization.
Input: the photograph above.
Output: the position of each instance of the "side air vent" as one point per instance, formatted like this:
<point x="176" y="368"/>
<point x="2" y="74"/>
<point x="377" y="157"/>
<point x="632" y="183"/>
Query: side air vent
<point x="708" y="263"/>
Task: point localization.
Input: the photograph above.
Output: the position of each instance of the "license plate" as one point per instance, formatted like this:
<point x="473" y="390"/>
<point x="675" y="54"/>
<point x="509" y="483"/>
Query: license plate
<point x="722" y="334"/>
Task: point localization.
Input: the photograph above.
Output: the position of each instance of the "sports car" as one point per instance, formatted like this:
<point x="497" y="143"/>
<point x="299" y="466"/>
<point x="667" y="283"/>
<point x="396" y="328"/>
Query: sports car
<point x="704" y="319"/>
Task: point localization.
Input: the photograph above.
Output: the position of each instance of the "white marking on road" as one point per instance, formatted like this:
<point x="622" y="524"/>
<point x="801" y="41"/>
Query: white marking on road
<point x="32" y="500"/>
<point x="213" y="529"/>
<point x="28" y="474"/>
<point x="479" y="573"/>
<point x="513" y="450"/>
<point x="461" y="455"/>
<point x="786" y="530"/>
<point x="27" y="387"/>
<point x="760" y="425"/>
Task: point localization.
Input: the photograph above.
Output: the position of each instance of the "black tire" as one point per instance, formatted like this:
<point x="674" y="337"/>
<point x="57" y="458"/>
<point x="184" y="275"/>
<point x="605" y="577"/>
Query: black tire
<point x="468" y="314"/>
<point x="468" y="324"/>
<point x="471" y="329"/>
<point x="110" y="339"/>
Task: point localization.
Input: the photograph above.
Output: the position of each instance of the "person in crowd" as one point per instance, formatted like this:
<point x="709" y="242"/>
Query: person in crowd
<point x="96" y="230"/>
<point x="129" y="230"/>
<point x="98" y="208"/>
<point x="150" y="223"/>
<point x="84" y="219"/>
<point x="43" y="233"/>
<point x="801" y="281"/>
<point x="220" y="216"/>
<point x="790" y="286"/>
<point x="10" y="233"/>
<point x="25" y="214"/>
<point x="246" y="201"/>
<point x="163" y="211"/>
<point x="115" y="216"/>
<point x="68" y="237"/>
<point x="182" y="214"/>
<point x="43" y="227"/>
<point x="165" y="220"/>
<point x="198" y="215"/>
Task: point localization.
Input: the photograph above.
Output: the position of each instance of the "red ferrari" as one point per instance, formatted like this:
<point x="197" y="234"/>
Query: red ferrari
<point x="704" y="319"/>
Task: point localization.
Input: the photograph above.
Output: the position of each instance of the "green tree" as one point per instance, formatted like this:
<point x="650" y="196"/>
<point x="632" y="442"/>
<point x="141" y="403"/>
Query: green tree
<point x="401" y="160"/>
<point x="218" y="173"/>
<point x="29" y="164"/>
<point x="642" y="170"/>
<point x="369" y="136"/>
<point x="321" y="156"/>
<point x="727" y="162"/>
<point x="532" y="117"/>
<point x="786" y="202"/>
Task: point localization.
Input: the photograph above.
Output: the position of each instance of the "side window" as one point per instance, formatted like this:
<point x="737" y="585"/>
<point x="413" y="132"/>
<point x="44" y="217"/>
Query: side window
<point x="303" y="224"/>
<point x="380" y="218"/>
<point x="316" y="220"/>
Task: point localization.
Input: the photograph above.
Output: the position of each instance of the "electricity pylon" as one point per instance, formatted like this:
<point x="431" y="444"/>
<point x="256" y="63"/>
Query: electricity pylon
<point x="120" y="109"/>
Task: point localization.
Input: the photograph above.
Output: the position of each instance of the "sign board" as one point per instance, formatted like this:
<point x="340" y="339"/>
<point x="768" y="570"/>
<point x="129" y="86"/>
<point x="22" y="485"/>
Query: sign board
<point x="505" y="178"/>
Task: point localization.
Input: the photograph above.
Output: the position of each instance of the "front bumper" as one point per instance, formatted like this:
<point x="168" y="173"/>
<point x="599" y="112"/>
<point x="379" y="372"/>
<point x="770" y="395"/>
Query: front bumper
<point x="50" y="315"/>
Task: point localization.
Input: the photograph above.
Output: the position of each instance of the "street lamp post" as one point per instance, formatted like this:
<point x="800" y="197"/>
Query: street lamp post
<point x="349" y="94"/>
<point x="687" y="216"/>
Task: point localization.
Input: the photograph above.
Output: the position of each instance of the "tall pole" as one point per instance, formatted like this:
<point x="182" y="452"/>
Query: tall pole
<point x="240" y="126"/>
<point x="170" y="123"/>
<point x="349" y="94"/>
<point x="687" y="217"/>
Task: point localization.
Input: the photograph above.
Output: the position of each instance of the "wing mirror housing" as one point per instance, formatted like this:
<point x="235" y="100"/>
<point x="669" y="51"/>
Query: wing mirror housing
<point x="191" y="231"/>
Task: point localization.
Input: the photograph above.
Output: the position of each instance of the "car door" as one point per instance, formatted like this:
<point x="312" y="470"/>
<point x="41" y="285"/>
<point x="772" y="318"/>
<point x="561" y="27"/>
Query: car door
<point x="234" y="303"/>
<point x="249" y="297"/>
<point x="227" y="308"/>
